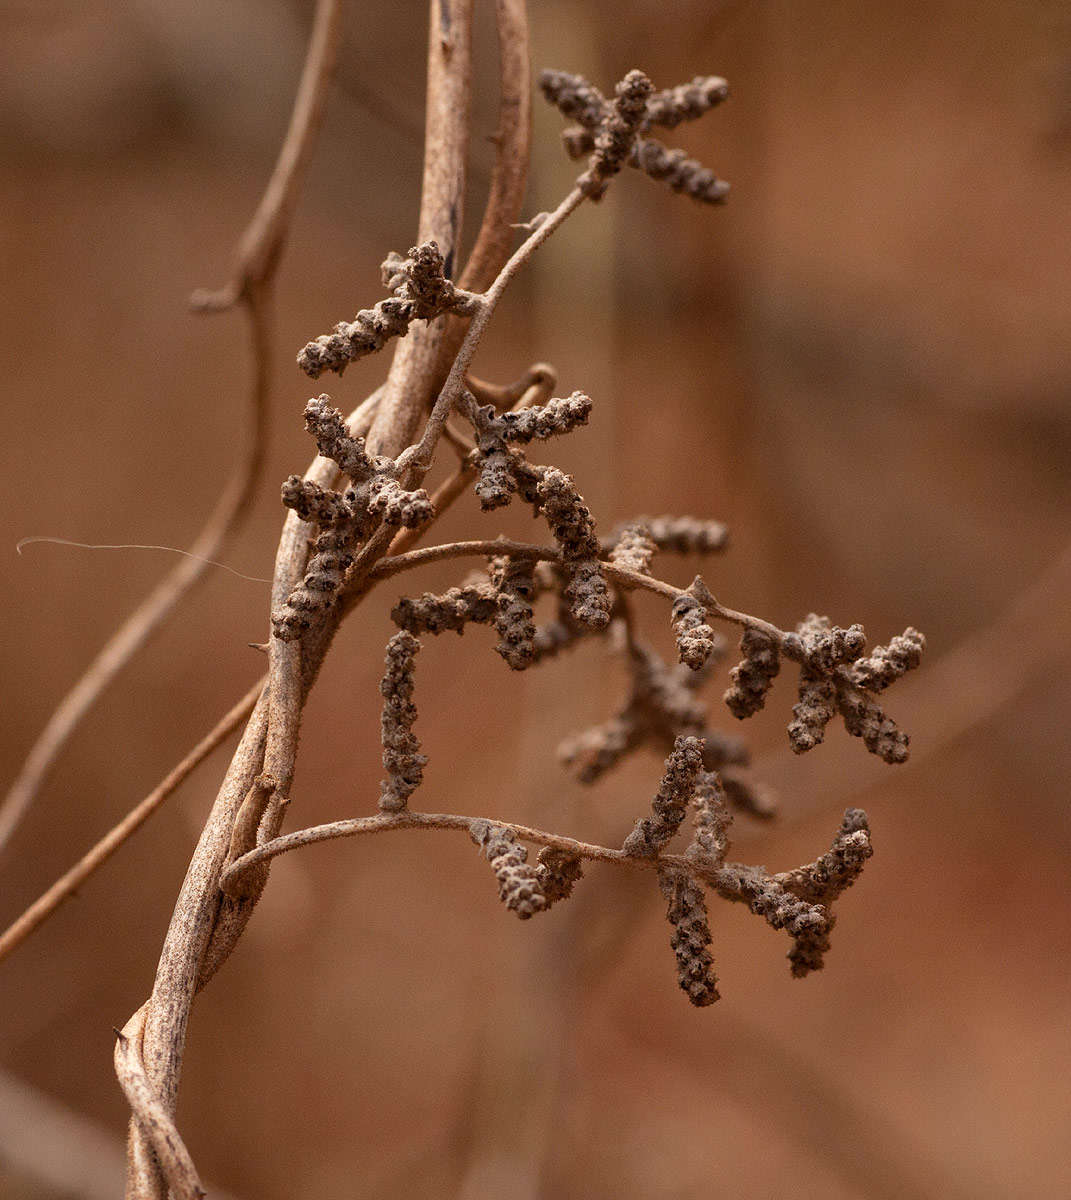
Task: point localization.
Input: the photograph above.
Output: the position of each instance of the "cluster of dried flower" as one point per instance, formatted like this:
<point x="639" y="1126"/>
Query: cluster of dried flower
<point x="705" y="770"/>
<point x="420" y="291"/>
<point x="345" y="519"/>
<point x="834" y="678"/>
<point x="616" y="134"/>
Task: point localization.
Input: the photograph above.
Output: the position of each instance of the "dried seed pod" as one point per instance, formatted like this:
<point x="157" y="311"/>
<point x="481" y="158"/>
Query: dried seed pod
<point x="687" y="913"/>
<point x="574" y="530"/>
<point x="807" y="924"/>
<point x="679" y="172"/>
<point x="401" y="747"/>
<point x="710" y="840"/>
<point x="318" y="591"/>
<point x="696" y="640"/>
<point x="519" y="885"/>
<point x="885" y="664"/>
<point x="318" y="505"/>
<point x="822" y="881"/>
<point x="686" y="101"/>
<point x="513" y="578"/>
<point x="683" y="769"/>
<point x="684" y="535"/>
<point x="559" y="871"/>
<point x="752" y="678"/>
<point x="633" y="548"/>
<point x="574" y="97"/>
<point x="820" y="646"/>
<point x="496" y="485"/>
<point x="454" y="609"/>
<point x="593" y="752"/>
<point x="421" y="292"/>
<point x="816" y="708"/>
<point x="389" y="500"/>
<point x="333" y="440"/>
<point x="558" y="416"/>
<point x="864" y="718"/>
<point x="617" y="133"/>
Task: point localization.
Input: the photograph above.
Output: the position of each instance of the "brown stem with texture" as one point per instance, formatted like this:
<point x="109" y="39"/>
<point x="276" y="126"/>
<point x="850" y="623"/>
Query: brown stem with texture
<point x="69" y="883"/>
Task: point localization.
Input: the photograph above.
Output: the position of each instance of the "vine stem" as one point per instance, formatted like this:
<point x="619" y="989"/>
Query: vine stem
<point x="72" y="880"/>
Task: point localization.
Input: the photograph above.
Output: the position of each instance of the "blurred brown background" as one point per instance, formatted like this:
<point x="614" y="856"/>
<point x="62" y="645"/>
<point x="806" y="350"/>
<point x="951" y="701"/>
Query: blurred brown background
<point x="862" y="364"/>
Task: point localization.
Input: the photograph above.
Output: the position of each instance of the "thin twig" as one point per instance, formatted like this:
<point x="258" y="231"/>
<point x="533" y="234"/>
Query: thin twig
<point x="235" y="502"/>
<point x="69" y="883"/>
<point x="261" y="243"/>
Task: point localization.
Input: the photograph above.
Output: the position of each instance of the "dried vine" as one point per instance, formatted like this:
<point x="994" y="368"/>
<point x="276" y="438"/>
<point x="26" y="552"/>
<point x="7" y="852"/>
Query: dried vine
<point x="354" y="521"/>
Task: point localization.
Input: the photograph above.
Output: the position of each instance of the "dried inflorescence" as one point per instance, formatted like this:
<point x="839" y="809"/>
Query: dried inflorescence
<point x="420" y="290"/>
<point x="402" y="759"/>
<point x="515" y="584"/>
<point x="345" y="519"/>
<point x="633" y="548"/>
<point x="704" y="769"/>
<point x="753" y="676"/>
<point x="687" y="913"/>
<point x="662" y="705"/>
<point x="520" y="886"/>
<point x="684" y="766"/>
<point x="696" y="639"/>
<point x="834" y="678"/>
<point x="615" y="134"/>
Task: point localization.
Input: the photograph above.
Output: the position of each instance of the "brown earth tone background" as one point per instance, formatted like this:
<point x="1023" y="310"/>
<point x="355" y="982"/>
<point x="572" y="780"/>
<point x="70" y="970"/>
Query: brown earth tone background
<point x="862" y="364"/>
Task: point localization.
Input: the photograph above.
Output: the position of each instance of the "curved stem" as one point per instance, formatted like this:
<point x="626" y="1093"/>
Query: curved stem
<point x="231" y="508"/>
<point x="69" y="883"/>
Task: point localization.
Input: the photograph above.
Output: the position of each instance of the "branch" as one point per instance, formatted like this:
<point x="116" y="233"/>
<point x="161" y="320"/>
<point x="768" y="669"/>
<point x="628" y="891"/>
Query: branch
<point x="69" y="883"/>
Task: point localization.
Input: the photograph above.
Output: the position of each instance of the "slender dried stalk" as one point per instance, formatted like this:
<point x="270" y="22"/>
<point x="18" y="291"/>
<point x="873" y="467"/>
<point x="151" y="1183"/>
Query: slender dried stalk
<point x="72" y="880"/>
<point x="257" y="258"/>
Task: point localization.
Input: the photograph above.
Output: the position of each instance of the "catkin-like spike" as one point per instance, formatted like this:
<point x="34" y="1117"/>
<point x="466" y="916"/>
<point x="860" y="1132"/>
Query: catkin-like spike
<point x="807" y="924"/>
<point x="683" y="535"/>
<point x="496" y="484"/>
<point x="752" y="678"/>
<point x="319" y="589"/>
<point x="687" y="913"/>
<point x="558" y="416"/>
<point x="816" y="708"/>
<point x="683" y="768"/>
<point x="885" y="664"/>
<point x="864" y="718"/>
<point x="746" y="793"/>
<point x="313" y="503"/>
<point x="696" y="640"/>
<point x="593" y="752"/>
<point x="370" y="330"/>
<point x="513" y="578"/>
<point x="617" y="134"/>
<point x="334" y="441"/>
<point x="710" y="842"/>
<point x="573" y="529"/>
<point x="574" y="97"/>
<point x="454" y="609"/>
<point x="388" y="499"/>
<point x="633" y="549"/>
<point x="402" y="759"/>
<point x="520" y="887"/>
<point x="559" y="871"/>
<point x="421" y="291"/>
<point x="822" y="881"/>
<point x="679" y="172"/>
<point x="686" y="102"/>
<point x="820" y="646"/>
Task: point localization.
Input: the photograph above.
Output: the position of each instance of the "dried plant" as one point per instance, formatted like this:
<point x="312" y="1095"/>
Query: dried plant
<point x="355" y="519"/>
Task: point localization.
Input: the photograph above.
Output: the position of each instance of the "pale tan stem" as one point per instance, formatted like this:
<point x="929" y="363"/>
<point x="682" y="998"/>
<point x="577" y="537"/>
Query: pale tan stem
<point x="259" y="247"/>
<point x="417" y="361"/>
<point x="69" y="883"/>
<point x="232" y="506"/>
